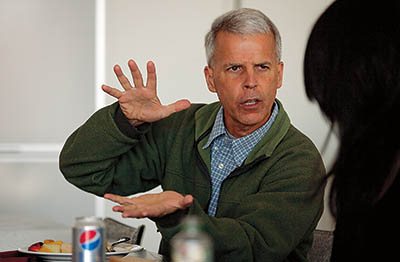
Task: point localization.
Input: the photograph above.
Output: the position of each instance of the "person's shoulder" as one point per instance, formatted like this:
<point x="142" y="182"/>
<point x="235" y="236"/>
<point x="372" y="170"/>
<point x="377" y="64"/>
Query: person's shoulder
<point x="300" y="139"/>
<point x="199" y="110"/>
<point x="185" y="116"/>
<point x="206" y="109"/>
<point x="293" y="134"/>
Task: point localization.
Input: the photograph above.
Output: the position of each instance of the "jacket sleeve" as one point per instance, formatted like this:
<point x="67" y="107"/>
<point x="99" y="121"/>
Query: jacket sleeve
<point x="98" y="157"/>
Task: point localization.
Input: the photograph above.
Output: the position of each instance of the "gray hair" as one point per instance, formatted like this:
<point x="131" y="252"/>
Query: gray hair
<point x="243" y="21"/>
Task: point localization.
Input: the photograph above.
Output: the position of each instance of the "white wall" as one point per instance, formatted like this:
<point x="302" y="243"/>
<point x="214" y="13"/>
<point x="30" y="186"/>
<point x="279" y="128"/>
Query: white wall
<point x="46" y="87"/>
<point x="47" y="82"/>
<point x="46" y="68"/>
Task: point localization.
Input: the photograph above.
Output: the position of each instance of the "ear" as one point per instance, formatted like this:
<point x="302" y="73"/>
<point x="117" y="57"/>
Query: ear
<point x="280" y="74"/>
<point x="209" y="75"/>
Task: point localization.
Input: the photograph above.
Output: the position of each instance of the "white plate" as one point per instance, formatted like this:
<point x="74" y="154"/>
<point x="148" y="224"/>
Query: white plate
<point x="44" y="256"/>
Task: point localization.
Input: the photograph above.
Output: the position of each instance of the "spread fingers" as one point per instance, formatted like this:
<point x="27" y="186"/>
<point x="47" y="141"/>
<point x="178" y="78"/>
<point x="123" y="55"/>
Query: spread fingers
<point x="123" y="80"/>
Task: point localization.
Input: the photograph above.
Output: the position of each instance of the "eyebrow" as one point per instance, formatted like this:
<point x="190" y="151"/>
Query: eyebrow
<point x="231" y="64"/>
<point x="239" y="64"/>
<point x="264" y="63"/>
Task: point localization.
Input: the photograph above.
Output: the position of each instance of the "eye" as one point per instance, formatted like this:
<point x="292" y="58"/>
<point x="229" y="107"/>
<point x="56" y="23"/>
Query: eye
<point x="234" y="68"/>
<point x="263" y="66"/>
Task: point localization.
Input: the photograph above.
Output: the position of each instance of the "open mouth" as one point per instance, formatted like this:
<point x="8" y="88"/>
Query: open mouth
<point x="250" y="102"/>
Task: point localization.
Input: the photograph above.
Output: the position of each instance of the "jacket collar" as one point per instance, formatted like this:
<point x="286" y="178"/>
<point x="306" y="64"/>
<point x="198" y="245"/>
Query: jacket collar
<point x="204" y="120"/>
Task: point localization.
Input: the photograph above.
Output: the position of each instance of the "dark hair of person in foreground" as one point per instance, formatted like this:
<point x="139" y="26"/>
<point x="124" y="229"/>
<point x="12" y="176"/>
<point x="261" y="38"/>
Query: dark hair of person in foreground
<point x="352" y="69"/>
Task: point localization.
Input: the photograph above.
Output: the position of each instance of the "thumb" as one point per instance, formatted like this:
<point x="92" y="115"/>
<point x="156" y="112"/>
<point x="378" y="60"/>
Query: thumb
<point x="178" y="106"/>
<point x="187" y="201"/>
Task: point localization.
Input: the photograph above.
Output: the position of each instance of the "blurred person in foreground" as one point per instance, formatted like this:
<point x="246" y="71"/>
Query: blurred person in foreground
<point x="352" y="69"/>
<point x="237" y="164"/>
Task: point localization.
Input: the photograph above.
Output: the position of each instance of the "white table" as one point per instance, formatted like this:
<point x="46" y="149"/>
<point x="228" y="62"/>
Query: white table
<point x="20" y="232"/>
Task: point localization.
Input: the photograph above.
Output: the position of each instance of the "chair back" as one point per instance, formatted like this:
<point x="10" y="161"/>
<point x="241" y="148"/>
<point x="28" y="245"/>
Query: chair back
<point x="116" y="229"/>
<point x="322" y="246"/>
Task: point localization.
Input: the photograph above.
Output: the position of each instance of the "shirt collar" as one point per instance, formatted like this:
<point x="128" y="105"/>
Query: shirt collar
<point x="241" y="146"/>
<point x="218" y="128"/>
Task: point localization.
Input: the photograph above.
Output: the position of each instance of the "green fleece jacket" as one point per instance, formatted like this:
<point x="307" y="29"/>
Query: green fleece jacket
<point x="267" y="209"/>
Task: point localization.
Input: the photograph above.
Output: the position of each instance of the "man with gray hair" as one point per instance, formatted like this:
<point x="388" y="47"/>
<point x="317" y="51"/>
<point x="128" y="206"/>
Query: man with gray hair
<point x="237" y="164"/>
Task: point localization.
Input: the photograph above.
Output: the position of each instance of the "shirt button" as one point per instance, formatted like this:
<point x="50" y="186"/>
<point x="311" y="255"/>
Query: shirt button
<point x="220" y="166"/>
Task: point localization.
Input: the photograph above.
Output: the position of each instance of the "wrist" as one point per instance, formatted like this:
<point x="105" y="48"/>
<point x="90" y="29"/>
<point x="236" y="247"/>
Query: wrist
<point x="132" y="130"/>
<point x="135" y="123"/>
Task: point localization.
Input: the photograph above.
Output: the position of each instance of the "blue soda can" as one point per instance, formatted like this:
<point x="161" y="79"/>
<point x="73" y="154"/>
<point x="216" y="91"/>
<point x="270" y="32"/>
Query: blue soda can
<point x="88" y="240"/>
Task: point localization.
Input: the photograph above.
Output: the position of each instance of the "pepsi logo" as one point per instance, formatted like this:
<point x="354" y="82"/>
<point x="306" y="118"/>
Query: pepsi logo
<point x="90" y="240"/>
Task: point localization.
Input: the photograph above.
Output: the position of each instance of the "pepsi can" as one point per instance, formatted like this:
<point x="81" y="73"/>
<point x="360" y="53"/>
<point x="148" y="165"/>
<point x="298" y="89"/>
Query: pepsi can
<point x="88" y="240"/>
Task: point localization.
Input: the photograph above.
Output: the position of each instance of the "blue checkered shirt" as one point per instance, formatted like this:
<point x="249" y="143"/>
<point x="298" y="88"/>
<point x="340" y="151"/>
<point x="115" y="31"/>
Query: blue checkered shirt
<point x="228" y="153"/>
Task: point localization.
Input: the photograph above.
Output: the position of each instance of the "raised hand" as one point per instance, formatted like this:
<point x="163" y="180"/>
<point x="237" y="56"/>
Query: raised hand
<point x="150" y="205"/>
<point x="140" y="102"/>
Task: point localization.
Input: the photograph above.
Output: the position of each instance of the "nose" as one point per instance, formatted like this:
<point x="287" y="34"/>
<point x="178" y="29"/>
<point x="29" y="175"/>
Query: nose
<point x="250" y="80"/>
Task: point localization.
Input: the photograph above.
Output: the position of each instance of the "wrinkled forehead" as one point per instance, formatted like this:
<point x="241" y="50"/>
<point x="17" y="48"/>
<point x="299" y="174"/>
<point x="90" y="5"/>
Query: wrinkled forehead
<point x="239" y="44"/>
